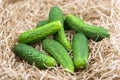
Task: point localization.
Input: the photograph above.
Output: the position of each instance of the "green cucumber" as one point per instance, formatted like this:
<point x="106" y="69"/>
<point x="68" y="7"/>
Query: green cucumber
<point x="57" y="50"/>
<point x="80" y="50"/>
<point x="60" y="36"/>
<point x="91" y="31"/>
<point x="32" y="55"/>
<point x="66" y="26"/>
<point x="36" y="34"/>
<point x="42" y="23"/>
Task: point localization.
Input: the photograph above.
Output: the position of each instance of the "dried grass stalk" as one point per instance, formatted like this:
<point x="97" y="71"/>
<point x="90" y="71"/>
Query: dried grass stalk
<point x="19" y="16"/>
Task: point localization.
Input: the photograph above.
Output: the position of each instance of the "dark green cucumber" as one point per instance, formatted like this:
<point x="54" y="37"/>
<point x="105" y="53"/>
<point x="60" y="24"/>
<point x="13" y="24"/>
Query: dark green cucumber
<point x="57" y="50"/>
<point x="60" y="36"/>
<point x="32" y="55"/>
<point x="91" y="31"/>
<point x="80" y="50"/>
<point x="36" y="34"/>
<point x="42" y="23"/>
<point x="66" y="27"/>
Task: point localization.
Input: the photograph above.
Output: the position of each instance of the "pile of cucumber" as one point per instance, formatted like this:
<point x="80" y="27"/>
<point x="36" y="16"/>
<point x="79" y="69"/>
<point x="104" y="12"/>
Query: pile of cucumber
<point x="59" y="47"/>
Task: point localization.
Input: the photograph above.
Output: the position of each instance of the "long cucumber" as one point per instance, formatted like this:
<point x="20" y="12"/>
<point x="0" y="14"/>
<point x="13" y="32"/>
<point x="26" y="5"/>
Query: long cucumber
<point x="91" y="31"/>
<point x="32" y="55"/>
<point x="80" y="50"/>
<point x="57" y="50"/>
<point x="37" y="34"/>
<point x="60" y="36"/>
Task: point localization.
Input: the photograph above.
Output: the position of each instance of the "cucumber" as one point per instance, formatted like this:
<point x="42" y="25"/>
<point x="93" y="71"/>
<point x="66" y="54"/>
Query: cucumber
<point x="42" y="23"/>
<point x="57" y="50"/>
<point x="91" y="31"/>
<point x="36" y="34"/>
<point x="32" y="55"/>
<point x="66" y="26"/>
<point x="60" y="36"/>
<point x="80" y="51"/>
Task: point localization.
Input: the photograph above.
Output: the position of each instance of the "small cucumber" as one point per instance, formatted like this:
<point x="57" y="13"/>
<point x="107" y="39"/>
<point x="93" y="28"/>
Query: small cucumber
<point x="42" y="23"/>
<point x="60" y="36"/>
<point x="66" y="26"/>
<point x="32" y="55"/>
<point x="80" y="50"/>
<point x="91" y="31"/>
<point x="57" y="50"/>
<point x="36" y="34"/>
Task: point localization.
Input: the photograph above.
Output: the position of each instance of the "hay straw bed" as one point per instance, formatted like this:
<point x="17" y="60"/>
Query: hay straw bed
<point x="17" y="16"/>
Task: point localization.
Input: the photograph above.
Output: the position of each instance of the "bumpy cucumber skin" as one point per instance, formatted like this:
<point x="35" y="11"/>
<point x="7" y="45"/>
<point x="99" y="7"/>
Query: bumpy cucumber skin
<point x="67" y="27"/>
<point x="80" y="50"/>
<point x="42" y="23"/>
<point x="34" y="35"/>
<point x="57" y="50"/>
<point x="60" y="36"/>
<point x="56" y="14"/>
<point x="32" y="55"/>
<point x="91" y="31"/>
